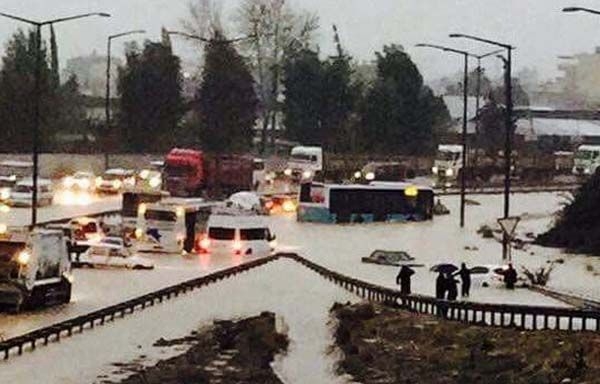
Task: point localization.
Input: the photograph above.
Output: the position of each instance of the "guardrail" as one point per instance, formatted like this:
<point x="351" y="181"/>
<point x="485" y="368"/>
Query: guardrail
<point x="503" y="315"/>
<point x="99" y="317"/>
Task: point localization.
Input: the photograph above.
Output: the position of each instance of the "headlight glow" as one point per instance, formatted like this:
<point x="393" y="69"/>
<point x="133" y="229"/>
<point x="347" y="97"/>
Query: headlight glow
<point x="99" y="181"/>
<point x="287" y="172"/>
<point x="117" y="184"/>
<point x="83" y="183"/>
<point x="357" y="175"/>
<point x="138" y="233"/>
<point x="155" y="182"/>
<point x="307" y="174"/>
<point x="411" y="191"/>
<point x="3" y="228"/>
<point x="449" y="172"/>
<point x="370" y="176"/>
<point x="179" y="211"/>
<point x="23" y="257"/>
<point x="68" y="182"/>
<point x="4" y="194"/>
<point x="144" y="174"/>
<point x="435" y="170"/>
<point x="288" y="206"/>
<point x="142" y="208"/>
<point x="4" y="208"/>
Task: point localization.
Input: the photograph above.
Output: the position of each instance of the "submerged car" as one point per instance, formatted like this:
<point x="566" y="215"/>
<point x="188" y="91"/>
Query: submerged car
<point x="393" y="258"/>
<point x="112" y="252"/>
<point x="80" y="181"/>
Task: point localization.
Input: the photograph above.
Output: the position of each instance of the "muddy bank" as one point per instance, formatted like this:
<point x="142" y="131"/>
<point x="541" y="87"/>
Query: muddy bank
<point x="228" y="352"/>
<point x="383" y="345"/>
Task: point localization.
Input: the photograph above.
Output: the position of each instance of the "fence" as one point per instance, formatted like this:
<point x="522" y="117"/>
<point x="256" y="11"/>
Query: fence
<point x="503" y="315"/>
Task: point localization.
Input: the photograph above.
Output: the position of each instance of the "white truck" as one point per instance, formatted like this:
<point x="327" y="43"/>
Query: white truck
<point x="587" y="160"/>
<point x="447" y="165"/>
<point x="35" y="269"/>
<point x="304" y="162"/>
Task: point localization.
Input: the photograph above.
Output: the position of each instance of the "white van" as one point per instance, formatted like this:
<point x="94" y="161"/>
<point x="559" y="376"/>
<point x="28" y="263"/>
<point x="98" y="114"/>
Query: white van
<point x="237" y="234"/>
<point x="304" y="162"/>
<point x="22" y="194"/>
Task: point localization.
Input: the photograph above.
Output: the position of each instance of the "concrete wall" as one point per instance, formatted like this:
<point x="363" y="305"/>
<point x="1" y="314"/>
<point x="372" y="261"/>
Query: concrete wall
<point x="53" y="164"/>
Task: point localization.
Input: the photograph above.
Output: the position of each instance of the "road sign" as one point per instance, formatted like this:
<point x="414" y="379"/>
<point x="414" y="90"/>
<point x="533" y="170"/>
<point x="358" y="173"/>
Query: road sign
<point x="509" y="225"/>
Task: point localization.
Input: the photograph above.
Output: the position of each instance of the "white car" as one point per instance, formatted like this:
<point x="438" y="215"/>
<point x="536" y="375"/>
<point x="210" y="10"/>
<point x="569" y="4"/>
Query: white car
<point x="112" y="252"/>
<point x="115" y="180"/>
<point x="22" y="194"/>
<point x="487" y="275"/>
<point x="83" y="181"/>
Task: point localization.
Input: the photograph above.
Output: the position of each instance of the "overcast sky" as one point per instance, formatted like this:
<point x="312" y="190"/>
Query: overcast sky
<point x="536" y="27"/>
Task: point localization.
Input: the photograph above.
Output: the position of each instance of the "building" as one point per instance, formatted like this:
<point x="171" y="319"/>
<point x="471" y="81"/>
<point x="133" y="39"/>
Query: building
<point x="91" y="73"/>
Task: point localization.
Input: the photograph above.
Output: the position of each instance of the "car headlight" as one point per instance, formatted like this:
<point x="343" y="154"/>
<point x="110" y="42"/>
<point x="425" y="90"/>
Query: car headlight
<point x="4" y="194"/>
<point x="23" y="257"/>
<point x="3" y="228"/>
<point x="138" y="233"/>
<point x="142" y="208"/>
<point x="370" y="176"/>
<point x="435" y="170"/>
<point x="117" y="184"/>
<point x="155" y="182"/>
<point x="587" y="171"/>
<point x="357" y="175"/>
<point x="307" y="174"/>
<point x="144" y="174"/>
<point x="287" y="172"/>
<point x="449" y="172"/>
<point x="83" y="183"/>
<point x="4" y="208"/>
<point x="68" y="182"/>
<point x="98" y="181"/>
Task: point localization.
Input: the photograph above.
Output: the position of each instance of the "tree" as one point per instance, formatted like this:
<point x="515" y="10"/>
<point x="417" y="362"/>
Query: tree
<point x="520" y="97"/>
<point x="226" y="100"/>
<point x="278" y="31"/>
<point x="455" y="88"/>
<point x="401" y="114"/>
<point x="302" y="81"/>
<point x="492" y="128"/>
<point x="17" y="87"/>
<point x="151" y="103"/>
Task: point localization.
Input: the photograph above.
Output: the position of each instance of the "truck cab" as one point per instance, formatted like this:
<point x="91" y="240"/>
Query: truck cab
<point x="587" y="160"/>
<point x="184" y="172"/>
<point x="35" y="269"/>
<point x="447" y="165"/>
<point x="304" y="163"/>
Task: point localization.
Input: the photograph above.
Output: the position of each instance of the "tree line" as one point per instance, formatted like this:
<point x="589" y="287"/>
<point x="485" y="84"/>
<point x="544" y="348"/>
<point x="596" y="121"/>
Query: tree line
<point x="272" y="82"/>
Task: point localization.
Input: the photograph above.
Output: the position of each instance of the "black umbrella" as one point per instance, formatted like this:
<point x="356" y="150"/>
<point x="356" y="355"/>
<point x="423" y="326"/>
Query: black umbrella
<point x="444" y="268"/>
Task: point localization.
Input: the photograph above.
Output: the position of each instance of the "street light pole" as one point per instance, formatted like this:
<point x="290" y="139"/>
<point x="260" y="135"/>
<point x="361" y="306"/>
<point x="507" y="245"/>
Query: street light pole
<point x="36" y="109"/>
<point x="463" y="178"/>
<point x="508" y="115"/>
<point x="508" y="122"/>
<point x="107" y="98"/>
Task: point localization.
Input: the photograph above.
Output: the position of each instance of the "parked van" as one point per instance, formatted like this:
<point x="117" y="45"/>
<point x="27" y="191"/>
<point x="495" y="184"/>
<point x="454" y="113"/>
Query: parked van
<point x="304" y="162"/>
<point x="22" y="194"/>
<point x="237" y="233"/>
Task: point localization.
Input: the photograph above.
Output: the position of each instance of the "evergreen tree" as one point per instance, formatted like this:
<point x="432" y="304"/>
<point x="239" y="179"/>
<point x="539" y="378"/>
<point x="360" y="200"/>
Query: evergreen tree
<point x="17" y="94"/>
<point x="401" y="114"/>
<point x="303" y="84"/>
<point x="54" y="67"/>
<point x="226" y="100"/>
<point x="151" y="104"/>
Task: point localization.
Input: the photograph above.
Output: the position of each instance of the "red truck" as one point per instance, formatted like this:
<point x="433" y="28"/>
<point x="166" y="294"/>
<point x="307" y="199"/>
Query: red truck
<point x="192" y="173"/>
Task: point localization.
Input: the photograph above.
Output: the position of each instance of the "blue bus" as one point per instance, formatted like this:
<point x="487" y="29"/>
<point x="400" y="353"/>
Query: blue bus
<point x="376" y="202"/>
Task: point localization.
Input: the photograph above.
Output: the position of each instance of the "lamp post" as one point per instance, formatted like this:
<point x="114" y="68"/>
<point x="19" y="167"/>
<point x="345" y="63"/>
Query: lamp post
<point x="36" y="111"/>
<point x="463" y="178"/>
<point x="107" y="100"/>
<point x="508" y="121"/>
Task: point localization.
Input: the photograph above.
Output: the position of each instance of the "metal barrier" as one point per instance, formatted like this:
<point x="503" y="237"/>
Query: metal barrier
<point x="503" y="315"/>
<point x="99" y="317"/>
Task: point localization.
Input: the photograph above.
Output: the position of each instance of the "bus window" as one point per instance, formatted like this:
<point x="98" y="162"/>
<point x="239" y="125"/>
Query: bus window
<point x="160" y="216"/>
<point x="217" y="233"/>
<point x="253" y="234"/>
<point x="305" y="192"/>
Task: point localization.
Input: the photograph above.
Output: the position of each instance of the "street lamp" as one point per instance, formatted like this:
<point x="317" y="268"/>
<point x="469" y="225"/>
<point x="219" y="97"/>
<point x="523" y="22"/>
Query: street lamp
<point x="580" y="9"/>
<point x="107" y="101"/>
<point x="508" y="121"/>
<point x="205" y="40"/>
<point x="36" y="120"/>
<point x="466" y="56"/>
<point x="463" y="178"/>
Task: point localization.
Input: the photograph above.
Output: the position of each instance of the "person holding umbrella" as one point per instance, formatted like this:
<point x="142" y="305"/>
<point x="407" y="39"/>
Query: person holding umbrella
<point x="403" y="279"/>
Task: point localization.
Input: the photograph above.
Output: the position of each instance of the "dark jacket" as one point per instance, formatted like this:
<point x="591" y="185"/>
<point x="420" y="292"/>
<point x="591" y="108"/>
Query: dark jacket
<point x="403" y="279"/>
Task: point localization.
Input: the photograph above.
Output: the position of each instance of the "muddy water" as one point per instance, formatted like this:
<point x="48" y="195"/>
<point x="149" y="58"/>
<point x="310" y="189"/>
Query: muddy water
<point x="341" y="247"/>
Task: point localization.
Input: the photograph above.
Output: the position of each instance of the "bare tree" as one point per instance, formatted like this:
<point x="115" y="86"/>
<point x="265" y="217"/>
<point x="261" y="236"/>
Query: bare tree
<point x="278" y="31"/>
<point x="204" y="18"/>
